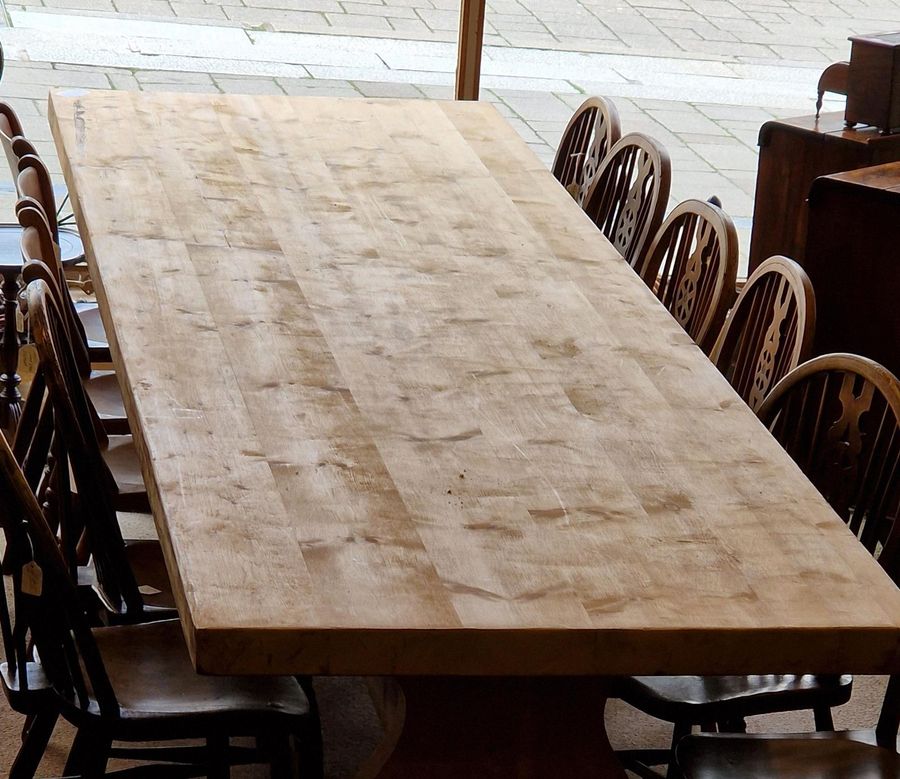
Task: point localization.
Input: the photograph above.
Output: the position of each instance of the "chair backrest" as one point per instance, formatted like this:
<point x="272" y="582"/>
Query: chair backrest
<point x="46" y="606"/>
<point x="838" y="416"/>
<point x="833" y="79"/>
<point x="37" y="244"/>
<point x="692" y="267"/>
<point x="79" y="453"/>
<point x="591" y="132"/>
<point x="628" y="197"/>
<point x="769" y="331"/>
<point x="33" y="181"/>
<point x="10" y="128"/>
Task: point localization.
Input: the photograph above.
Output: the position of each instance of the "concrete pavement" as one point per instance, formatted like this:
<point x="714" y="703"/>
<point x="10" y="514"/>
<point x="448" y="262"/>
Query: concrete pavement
<point x="699" y="75"/>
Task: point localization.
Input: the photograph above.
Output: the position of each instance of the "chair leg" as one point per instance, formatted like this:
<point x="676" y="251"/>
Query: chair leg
<point x="89" y="754"/>
<point x="34" y="744"/>
<point x="27" y="726"/>
<point x="312" y="760"/>
<point x="680" y="730"/>
<point x="310" y="753"/>
<point x="824" y="720"/>
<point x="217" y="749"/>
<point x="283" y="758"/>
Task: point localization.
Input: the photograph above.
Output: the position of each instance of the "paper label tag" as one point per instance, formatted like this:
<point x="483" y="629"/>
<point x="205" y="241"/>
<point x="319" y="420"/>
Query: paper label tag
<point x="146" y="589"/>
<point x="28" y="364"/>
<point x="574" y="190"/>
<point x="32" y="579"/>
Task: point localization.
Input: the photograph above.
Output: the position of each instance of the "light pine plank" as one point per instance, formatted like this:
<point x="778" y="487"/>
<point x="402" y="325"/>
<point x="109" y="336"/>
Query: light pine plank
<point x="403" y="409"/>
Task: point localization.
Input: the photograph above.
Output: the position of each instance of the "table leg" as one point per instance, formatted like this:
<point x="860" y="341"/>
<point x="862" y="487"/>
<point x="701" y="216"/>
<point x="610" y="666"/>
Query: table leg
<point x="452" y="727"/>
<point x="10" y="399"/>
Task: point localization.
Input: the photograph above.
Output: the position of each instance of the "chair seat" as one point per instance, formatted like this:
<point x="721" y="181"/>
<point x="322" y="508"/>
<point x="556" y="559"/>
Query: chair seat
<point x="145" y="558"/>
<point x="842" y="755"/>
<point x="121" y="457"/>
<point x="700" y="698"/>
<point x="122" y="460"/>
<point x="37" y="694"/>
<point x="103" y="389"/>
<point x="102" y="386"/>
<point x="89" y="314"/>
<point x="161" y="695"/>
<point x="149" y="567"/>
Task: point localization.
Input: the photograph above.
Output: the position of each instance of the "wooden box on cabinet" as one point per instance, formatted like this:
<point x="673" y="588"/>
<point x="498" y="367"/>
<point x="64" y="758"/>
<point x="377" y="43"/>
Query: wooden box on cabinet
<point x="853" y="260"/>
<point x="873" y="88"/>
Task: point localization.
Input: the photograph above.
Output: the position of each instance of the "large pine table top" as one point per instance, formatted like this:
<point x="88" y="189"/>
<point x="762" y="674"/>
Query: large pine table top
<point x="403" y="410"/>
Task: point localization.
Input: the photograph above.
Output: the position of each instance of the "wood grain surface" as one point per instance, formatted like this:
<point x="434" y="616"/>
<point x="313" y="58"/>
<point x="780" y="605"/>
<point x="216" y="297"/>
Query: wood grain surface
<point x="403" y="410"/>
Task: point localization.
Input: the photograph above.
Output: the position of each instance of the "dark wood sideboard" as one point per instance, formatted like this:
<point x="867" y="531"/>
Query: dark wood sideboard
<point x="792" y="154"/>
<point x="853" y="260"/>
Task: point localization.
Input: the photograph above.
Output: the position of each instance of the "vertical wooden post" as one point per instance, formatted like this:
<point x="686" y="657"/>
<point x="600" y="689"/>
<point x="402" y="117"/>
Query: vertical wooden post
<point x="471" y="38"/>
<point x="10" y="399"/>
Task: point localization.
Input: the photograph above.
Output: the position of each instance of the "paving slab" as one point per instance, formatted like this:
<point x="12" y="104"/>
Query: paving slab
<point x="699" y="75"/>
<point x="755" y="31"/>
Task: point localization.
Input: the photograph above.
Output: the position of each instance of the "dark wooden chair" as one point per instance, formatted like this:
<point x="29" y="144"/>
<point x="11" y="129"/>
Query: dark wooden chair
<point x="591" y="132"/>
<point x="838" y="416"/>
<point x="843" y="755"/>
<point x="15" y="145"/>
<point x="628" y="197"/>
<point x="722" y="703"/>
<point x="833" y="79"/>
<point x="851" y="408"/>
<point x="130" y="579"/>
<point x="769" y="331"/>
<point x="33" y="184"/>
<point x="692" y="267"/>
<point x="848" y="754"/>
<point x="130" y="683"/>
<point x="102" y="386"/>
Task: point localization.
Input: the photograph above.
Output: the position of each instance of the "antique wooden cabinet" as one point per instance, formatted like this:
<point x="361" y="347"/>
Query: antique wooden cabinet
<point x="792" y="154"/>
<point x="853" y="260"/>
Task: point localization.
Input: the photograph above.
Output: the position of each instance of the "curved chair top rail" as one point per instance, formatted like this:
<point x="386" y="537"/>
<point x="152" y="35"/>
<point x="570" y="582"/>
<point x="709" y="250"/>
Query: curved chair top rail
<point x="628" y="197"/>
<point x="10" y="128"/>
<point x="769" y="331"/>
<point x="591" y="132"/>
<point x="692" y="267"/>
<point x="838" y="416"/>
<point x="34" y="181"/>
<point x="37" y="245"/>
<point x="10" y="124"/>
